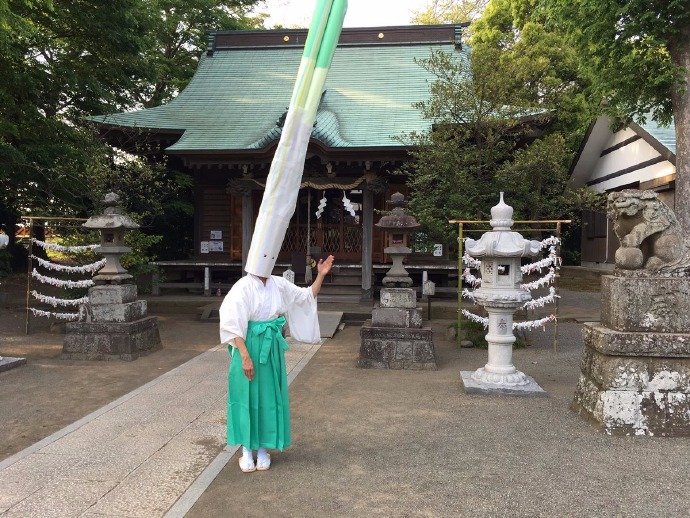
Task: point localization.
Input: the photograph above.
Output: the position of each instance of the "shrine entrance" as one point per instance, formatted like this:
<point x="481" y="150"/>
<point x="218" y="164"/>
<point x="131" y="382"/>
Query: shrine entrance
<point x="324" y="219"/>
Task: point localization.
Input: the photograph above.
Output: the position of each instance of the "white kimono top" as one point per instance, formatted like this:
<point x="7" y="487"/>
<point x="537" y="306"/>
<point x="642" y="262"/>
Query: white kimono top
<point x="249" y="300"/>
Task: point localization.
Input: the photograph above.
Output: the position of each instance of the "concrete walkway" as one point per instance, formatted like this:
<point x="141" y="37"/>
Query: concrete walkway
<point x="137" y="456"/>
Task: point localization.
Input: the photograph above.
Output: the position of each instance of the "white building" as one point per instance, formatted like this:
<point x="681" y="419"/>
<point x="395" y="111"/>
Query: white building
<point x="634" y="157"/>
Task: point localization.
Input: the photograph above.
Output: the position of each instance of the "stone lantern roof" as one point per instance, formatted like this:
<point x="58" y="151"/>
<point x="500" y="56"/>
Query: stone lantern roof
<point x="501" y="241"/>
<point x="398" y="220"/>
<point x="112" y="217"/>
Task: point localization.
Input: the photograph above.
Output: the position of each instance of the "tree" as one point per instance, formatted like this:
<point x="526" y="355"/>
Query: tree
<point x="538" y="64"/>
<point x="458" y="167"/>
<point x="60" y="61"/>
<point x="503" y="120"/>
<point x="64" y="60"/>
<point x="636" y="54"/>
<point x="449" y="11"/>
<point x="178" y="36"/>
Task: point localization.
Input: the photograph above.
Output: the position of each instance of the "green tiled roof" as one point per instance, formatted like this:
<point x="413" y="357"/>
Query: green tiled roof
<point x="237" y="96"/>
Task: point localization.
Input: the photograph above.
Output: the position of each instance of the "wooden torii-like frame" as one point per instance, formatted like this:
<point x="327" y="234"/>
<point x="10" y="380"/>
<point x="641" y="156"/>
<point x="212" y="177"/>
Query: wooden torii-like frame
<point x="552" y="225"/>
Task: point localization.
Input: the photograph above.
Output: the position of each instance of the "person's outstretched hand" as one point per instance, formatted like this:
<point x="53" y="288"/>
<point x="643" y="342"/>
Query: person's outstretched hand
<point x="325" y="266"/>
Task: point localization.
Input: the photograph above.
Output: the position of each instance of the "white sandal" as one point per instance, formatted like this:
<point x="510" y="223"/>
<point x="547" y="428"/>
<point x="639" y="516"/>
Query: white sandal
<point x="248" y="466"/>
<point x="263" y="464"/>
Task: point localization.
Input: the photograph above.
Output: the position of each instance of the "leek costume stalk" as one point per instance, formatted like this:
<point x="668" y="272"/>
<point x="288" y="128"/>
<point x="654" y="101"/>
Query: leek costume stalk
<point x="285" y="175"/>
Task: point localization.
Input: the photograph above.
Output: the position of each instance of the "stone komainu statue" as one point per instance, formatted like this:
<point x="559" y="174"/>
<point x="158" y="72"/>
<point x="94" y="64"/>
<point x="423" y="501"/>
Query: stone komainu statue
<point x="649" y="233"/>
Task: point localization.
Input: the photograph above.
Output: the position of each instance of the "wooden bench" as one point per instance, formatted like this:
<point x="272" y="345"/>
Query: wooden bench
<point x="198" y="269"/>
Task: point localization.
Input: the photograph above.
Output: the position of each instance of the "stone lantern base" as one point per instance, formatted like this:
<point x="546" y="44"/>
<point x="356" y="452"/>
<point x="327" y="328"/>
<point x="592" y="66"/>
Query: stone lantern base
<point x="114" y="326"/>
<point x="517" y="384"/>
<point x="394" y="338"/>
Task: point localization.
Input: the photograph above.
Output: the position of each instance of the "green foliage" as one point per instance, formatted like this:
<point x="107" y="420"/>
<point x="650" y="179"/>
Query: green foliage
<point x="626" y="49"/>
<point x="478" y="147"/>
<point x="178" y="35"/>
<point x="449" y="11"/>
<point x="61" y="61"/>
<point x="507" y="118"/>
<point x="537" y="63"/>
<point x="633" y="60"/>
<point x="534" y="179"/>
<point x="476" y="333"/>
<point x="137" y="262"/>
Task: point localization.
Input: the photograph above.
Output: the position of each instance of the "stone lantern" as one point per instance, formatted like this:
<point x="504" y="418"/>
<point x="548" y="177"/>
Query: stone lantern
<point x="500" y="252"/>
<point x="394" y="338"/>
<point x="112" y="225"/>
<point x="398" y="225"/>
<point x="113" y="324"/>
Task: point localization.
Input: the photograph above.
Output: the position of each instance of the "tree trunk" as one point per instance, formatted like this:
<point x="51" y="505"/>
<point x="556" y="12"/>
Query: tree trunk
<point x="680" y="97"/>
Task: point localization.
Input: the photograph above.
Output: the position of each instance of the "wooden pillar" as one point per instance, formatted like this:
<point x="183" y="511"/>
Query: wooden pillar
<point x="367" y="243"/>
<point x="207" y="281"/>
<point x="198" y="212"/>
<point x="247" y="225"/>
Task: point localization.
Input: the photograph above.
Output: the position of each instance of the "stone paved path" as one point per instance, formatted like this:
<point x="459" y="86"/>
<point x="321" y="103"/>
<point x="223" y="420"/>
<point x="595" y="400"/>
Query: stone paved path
<point x="135" y="457"/>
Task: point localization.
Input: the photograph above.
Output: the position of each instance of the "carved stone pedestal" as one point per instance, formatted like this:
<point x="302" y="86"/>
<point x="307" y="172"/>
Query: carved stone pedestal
<point x="394" y="338"/>
<point x="114" y="326"/>
<point x="635" y="371"/>
<point x="499" y="375"/>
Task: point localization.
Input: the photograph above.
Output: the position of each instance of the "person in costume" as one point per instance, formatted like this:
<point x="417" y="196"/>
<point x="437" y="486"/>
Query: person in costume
<point x="252" y="317"/>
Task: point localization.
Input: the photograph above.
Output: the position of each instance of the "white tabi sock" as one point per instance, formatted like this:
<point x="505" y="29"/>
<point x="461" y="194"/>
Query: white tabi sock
<point x="248" y="455"/>
<point x="262" y="455"/>
<point x="263" y="459"/>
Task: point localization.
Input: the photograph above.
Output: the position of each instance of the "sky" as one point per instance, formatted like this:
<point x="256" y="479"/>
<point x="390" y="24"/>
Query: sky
<point x="360" y="13"/>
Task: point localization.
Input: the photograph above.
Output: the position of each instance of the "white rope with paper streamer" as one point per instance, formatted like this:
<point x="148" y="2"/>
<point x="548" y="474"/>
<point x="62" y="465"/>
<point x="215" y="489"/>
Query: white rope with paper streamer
<point x="87" y="283"/>
<point x="48" y="265"/>
<point x="552" y="262"/>
<point x="87" y="268"/>
<point x="60" y="248"/>
<point x="348" y="205"/>
<point x="530" y="324"/>
<point x="55" y="302"/>
<point x="321" y="207"/>
<point x="59" y="316"/>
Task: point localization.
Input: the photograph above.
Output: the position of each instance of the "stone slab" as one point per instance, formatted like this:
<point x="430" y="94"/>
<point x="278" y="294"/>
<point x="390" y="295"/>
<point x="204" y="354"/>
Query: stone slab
<point x="8" y="362"/>
<point x="628" y="412"/>
<point x="634" y="383"/>
<point x="397" y="317"/>
<point x="531" y="389"/>
<point x="398" y="298"/>
<point x="396" y="348"/>
<point x="128" y="312"/>
<point x="636" y="373"/>
<point x="625" y="343"/>
<point x="329" y="322"/>
<point x="111" y="341"/>
<point x="113" y="294"/>
<point x="645" y="303"/>
<point x="130" y="441"/>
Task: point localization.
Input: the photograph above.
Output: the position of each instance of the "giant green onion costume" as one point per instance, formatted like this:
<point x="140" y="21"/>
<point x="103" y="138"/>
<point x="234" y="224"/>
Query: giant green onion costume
<point x="284" y="178"/>
<point x="258" y="410"/>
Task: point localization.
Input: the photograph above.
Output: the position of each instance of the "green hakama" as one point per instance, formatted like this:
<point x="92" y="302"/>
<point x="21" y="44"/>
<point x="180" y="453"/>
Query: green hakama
<point x="259" y="410"/>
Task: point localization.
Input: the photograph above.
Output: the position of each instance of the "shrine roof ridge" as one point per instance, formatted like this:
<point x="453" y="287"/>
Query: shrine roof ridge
<point x="382" y="35"/>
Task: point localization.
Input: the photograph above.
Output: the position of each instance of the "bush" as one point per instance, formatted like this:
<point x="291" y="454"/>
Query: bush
<point x="476" y="333"/>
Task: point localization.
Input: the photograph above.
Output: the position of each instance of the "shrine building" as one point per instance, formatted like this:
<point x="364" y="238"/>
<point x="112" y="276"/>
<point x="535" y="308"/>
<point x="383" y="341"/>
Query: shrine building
<point x="224" y="127"/>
